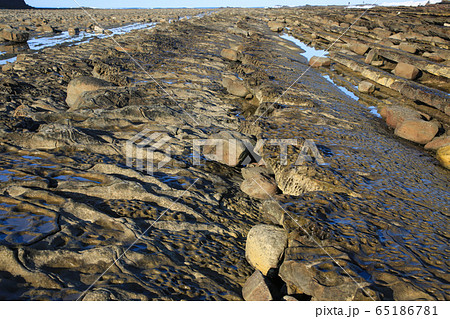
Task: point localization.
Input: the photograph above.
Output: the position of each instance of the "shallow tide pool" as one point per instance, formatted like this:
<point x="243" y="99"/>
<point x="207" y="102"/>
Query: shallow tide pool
<point x="309" y="53"/>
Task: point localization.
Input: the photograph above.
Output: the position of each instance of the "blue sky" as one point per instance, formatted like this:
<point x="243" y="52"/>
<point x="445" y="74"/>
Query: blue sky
<point x="189" y="4"/>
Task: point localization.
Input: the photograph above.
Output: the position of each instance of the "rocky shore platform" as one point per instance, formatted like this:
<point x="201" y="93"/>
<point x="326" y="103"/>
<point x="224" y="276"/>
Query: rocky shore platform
<point x="333" y="182"/>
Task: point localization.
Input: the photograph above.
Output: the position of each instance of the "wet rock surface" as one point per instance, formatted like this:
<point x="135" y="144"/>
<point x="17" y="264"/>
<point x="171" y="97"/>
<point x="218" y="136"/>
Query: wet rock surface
<point x="368" y="220"/>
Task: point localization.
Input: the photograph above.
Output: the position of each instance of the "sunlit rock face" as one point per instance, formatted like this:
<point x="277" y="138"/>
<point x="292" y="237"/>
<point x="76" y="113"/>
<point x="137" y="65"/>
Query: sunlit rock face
<point x="13" y="4"/>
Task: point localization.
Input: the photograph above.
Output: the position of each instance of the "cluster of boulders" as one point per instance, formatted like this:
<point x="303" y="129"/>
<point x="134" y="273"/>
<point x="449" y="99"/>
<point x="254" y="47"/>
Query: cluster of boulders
<point x="418" y="127"/>
<point x="408" y="60"/>
<point x="8" y="33"/>
<point x="264" y="251"/>
<point x="286" y="269"/>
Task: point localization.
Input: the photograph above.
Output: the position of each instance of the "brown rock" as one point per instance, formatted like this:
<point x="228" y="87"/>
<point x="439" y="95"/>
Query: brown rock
<point x="371" y="56"/>
<point x="443" y="156"/>
<point x="366" y="87"/>
<point x="276" y="26"/>
<point x="235" y="87"/>
<point x="395" y="115"/>
<point x="382" y="33"/>
<point x="407" y="47"/>
<point x="406" y="71"/>
<point x="272" y="210"/>
<point x="14" y="35"/>
<point x="438" y="142"/>
<point x="83" y="84"/>
<point x="227" y="147"/>
<point x="73" y="31"/>
<point x="417" y="131"/>
<point x="265" y="246"/>
<point x="309" y="277"/>
<point x="7" y="67"/>
<point x="45" y="28"/>
<point x="229" y="54"/>
<point x="289" y="298"/>
<point x="256" y="288"/>
<point x="377" y="63"/>
<point x="398" y="36"/>
<point x="258" y="183"/>
<point x="433" y="57"/>
<point x="317" y="62"/>
<point x="237" y="46"/>
<point x="359" y="48"/>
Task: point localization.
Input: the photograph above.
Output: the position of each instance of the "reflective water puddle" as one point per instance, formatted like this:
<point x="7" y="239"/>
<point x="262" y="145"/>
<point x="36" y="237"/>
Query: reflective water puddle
<point x="310" y="52"/>
<point x="40" y="43"/>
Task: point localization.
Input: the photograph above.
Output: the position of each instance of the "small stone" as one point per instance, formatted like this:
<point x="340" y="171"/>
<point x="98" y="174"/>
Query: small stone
<point x="256" y="288"/>
<point x="47" y="28"/>
<point x="438" y="142"/>
<point x="377" y="63"/>
<point x="366" y="87"/>
<point x="417" y="131"/>
<point x="265" y="246"/>
<point x="443" y="156"/>
<point x="227" y="147"/>
<point x="371" y="56"/>
<point x="398" y="36"/>
<point x="235" y="87"/>
<point x="98" y="30"/>
<point x="289" y="298"/>
<point x="382" y="33"/>
<point x="406" y="71"/>
<point x="276" y="26"/>
<point x="272" y="210"/>
<point x="407" y="47"/>
<point x="258" y="183"/>
<point x="229" y="54"/>
<point x="359" y="48"/>
<point x="73" y="31"/>
<point x="237" y="47"/>
<point x="317" y="62"/>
